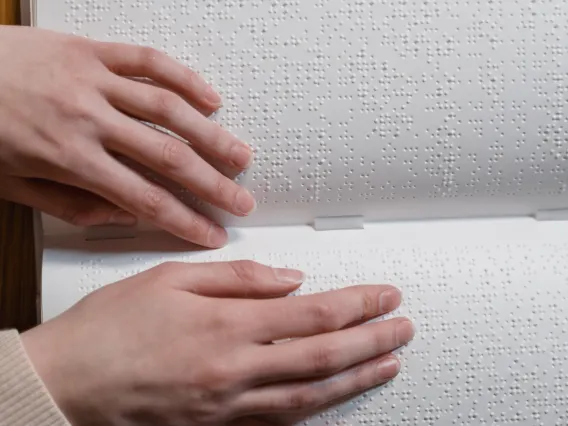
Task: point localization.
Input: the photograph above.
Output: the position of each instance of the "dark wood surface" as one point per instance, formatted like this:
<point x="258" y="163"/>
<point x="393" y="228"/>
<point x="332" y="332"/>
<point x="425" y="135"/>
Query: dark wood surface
<point x="9" y="12"/>
<point x="17" y="265"/>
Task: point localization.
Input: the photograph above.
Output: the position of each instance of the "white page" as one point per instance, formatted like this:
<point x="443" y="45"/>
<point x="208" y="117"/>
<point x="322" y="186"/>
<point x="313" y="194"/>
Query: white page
<point x="488" y="299"/>
<point x="387" y="109"/>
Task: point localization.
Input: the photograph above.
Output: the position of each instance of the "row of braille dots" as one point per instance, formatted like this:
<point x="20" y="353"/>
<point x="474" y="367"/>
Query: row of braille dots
<point x="283" y="96"/>
<point x="271" y="41"/>
<point x="447" y="173"/>
<point x="90" y="13"/>
<point x="172" y="7"/>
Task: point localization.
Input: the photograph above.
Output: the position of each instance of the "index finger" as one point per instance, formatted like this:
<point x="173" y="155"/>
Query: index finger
<point x="303" y="316"/>
<point x="144" y="61"/>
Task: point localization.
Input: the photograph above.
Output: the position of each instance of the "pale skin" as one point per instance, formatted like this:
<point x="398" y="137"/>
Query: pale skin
<point x="180" y="344"/>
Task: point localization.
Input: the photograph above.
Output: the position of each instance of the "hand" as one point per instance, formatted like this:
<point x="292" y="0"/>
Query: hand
<point x="192" y="344"/>
<point x="65" y="114"/>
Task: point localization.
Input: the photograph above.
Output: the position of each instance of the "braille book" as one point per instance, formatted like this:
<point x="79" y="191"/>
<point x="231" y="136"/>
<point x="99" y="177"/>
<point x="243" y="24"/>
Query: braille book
<point x="412" y="142"/>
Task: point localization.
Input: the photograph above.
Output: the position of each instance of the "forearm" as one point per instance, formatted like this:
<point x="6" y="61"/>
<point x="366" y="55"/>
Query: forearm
<point x="24" y="400"/>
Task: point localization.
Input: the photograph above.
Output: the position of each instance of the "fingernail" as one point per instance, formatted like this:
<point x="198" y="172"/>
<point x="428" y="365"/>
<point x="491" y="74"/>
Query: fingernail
<point x="121" y="217"/>
<point x="245" y="203"/>
<point x="217" y="237"/>
<point x="212" y="96"/>
<point x="289" y="276"/>
<point x="404" y="333"/>
<point x="241" y="156"/>
<point x="389" y="300"/>
<point x="388" y="367"/>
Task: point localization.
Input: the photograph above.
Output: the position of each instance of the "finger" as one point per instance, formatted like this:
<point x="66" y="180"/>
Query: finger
<point x="329" y="353"/>
<point x="237" y="279"/>
<point x="204" y="110"/>
<point x="308" y="396"/>
<point x="175" y="160"/>
<point x="142" y="61"/>
<point x="70" y="204"/>
<point x="322" y="313"/>
<point x="170" y="111"/>
<point x="294" y="418"/>
<point x="117" y="183"/>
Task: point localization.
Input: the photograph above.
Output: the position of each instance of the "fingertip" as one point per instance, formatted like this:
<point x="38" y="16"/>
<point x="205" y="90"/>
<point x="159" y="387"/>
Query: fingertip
<point x="291" y="277"/>
<point x="405" y="332"/>
<point x="213" y="98"/>
<point x="217" y="237"/>
<point x="389" y="299"/>
<point x="241" y="155"/>
<point x="388" y="367"/>
<point x="244" y="203"/>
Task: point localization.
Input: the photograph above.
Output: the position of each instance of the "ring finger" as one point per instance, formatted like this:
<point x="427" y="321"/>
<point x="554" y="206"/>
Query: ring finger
<point x="329" y="353"/>
<point x="304" y="397"/>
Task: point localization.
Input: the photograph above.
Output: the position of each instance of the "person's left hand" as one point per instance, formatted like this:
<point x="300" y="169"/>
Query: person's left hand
<point x="205" y="344"/>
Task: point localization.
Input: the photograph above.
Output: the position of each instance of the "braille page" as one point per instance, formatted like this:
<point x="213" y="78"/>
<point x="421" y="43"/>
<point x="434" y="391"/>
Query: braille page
<point x="389" y="110"/>
<point x="488" y="299"/>
<point x="384" y="109"/>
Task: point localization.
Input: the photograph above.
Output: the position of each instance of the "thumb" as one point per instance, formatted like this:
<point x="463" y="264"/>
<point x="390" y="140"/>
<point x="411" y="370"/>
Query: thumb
<point x="238" y="279"/>
<point x="70" y="204"/>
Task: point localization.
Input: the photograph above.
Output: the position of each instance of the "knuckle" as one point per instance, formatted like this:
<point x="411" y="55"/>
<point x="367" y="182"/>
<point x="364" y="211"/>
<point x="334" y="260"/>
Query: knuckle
<point x="216" y="137"/>
<point x="369" y="305"/>
<point x="173" y="157"/>
<point x="148" y="56"/>
<point x="75" y="53"/>
<point x="193" y="77"/>
<point x="245" y="270"/>
<point x="324" y="317"/>
<point x="220" y="186"/>
<point x="75" y="42"/>
<point x="169" y="267"/>
<point x="152" y="199"/>
<point x="72" y="215"/>
<point x="361" y="381"/>
<point x="324" y="360"/>
<point x="211" y="392"/>
<point x="300" y="400"/>
<point x="225" y="191"/>
<point x="219" y="380"/>
<point x="166" y="105"/>
<point x="66" y="158"/>
<point x="222" y="322"/>
<point x="78" y="104"/>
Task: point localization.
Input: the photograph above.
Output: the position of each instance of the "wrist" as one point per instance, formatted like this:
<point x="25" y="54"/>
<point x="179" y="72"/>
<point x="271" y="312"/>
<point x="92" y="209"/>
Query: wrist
<point x="39" y="349"/>
<point x="24" y="398"/>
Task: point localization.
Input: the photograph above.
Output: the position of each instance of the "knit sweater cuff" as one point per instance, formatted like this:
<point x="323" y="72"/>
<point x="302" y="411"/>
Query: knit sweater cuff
<point x="24" y="400"/>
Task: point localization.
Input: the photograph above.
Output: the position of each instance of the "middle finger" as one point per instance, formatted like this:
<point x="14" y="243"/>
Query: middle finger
<point x="313" y="314"/>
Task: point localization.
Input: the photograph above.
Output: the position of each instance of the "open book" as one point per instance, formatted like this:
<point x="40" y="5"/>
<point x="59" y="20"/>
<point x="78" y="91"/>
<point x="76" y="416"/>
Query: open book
<point x="418" y="143"/>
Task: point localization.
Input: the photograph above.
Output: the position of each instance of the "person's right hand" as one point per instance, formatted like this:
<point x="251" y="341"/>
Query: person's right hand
<point x="66" y="108"/>
<point x="208" y="344"/>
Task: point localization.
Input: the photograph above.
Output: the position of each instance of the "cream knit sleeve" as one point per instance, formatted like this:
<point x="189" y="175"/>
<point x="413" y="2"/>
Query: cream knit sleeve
<point x="24" y="400"/>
